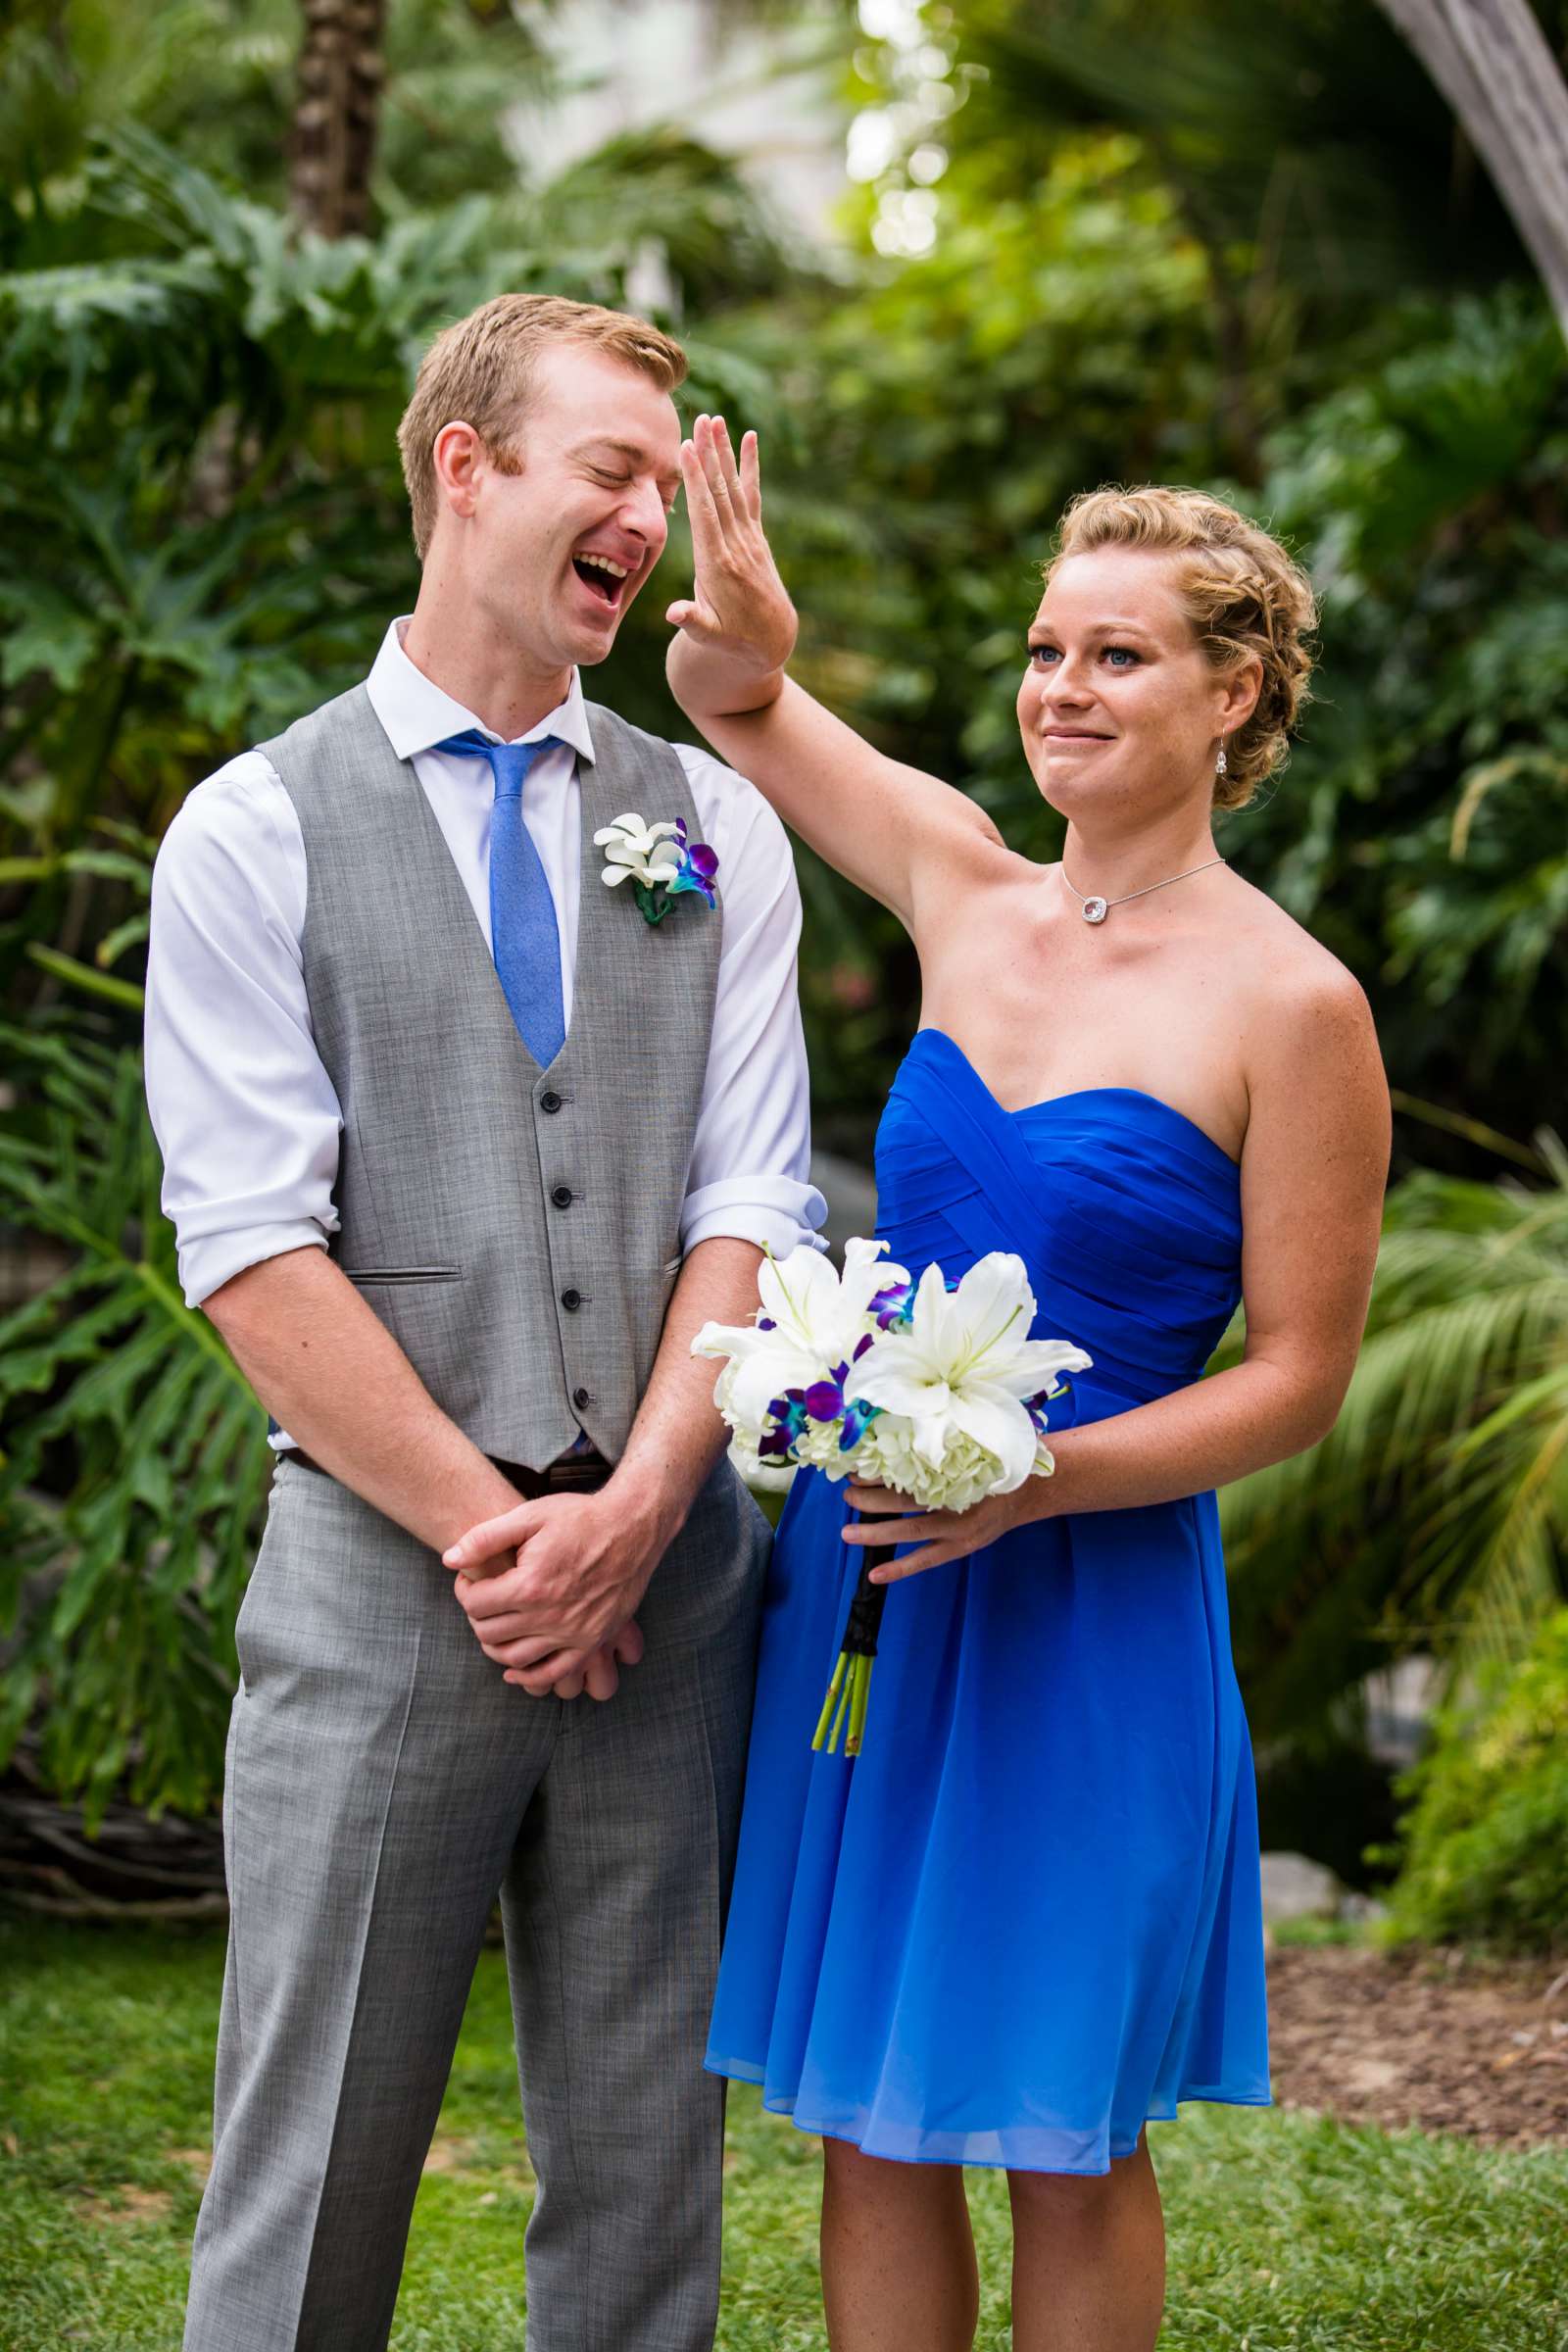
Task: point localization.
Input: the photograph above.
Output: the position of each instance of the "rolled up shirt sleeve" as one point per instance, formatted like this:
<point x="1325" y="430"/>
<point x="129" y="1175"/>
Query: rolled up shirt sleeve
<point x="245" y="1114"/>
<point x="750" y="1176"/>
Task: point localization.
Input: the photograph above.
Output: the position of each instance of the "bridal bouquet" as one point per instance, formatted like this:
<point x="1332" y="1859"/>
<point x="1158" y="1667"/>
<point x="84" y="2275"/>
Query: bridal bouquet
<point x="933" y="1388"/>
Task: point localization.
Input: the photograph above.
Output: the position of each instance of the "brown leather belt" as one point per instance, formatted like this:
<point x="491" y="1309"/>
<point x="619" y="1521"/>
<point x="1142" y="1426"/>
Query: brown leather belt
<point x="574" y="1474"/>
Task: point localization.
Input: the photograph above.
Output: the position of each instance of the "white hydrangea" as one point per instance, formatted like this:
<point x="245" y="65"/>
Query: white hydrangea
<point x="964" y="1473"/>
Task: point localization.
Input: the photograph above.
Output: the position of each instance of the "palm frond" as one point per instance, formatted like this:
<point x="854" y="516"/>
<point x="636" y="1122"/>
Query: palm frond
<point x="135" y="1454"/>
<point x="1435" y="1514"/>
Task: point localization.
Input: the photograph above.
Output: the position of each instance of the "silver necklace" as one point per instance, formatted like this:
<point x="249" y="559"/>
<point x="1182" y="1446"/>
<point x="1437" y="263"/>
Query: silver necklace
<point x="1094" y="910"/>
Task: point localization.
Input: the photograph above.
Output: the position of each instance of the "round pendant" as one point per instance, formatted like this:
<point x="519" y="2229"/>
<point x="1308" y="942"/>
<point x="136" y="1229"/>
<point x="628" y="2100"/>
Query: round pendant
<point x="1094" y="910"/>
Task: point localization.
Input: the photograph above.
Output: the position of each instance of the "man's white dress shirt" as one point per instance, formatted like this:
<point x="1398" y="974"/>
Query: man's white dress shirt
<point x="245" y="1114"/>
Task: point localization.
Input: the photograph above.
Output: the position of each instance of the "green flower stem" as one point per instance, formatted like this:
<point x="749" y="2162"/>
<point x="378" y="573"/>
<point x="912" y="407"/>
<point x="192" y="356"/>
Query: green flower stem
<point x="833" y="1690"/>
<point x="845" y="1704"/>
<point x="845" y="1696"/>
<point x="860" y="1684"/>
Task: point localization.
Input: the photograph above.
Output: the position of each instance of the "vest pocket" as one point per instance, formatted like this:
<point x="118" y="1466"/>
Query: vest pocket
<point x="389" y="1274"/>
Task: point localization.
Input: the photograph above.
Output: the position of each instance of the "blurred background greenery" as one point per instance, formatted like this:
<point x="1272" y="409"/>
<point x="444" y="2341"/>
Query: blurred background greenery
<point x="956" y="262"/>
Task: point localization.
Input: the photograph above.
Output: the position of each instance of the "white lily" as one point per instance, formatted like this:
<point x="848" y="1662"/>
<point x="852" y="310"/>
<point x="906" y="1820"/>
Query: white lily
<point x="959" y="1377"/>
<point x="816" y="1319"/>
<point x="638" y="852"/>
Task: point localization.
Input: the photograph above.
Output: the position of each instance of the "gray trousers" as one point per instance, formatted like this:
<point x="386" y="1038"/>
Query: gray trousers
<point x="383" y="1784"/>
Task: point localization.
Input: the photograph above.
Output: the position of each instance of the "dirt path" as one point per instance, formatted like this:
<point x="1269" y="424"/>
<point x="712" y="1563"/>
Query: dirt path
<point x="1445" y="2043"/>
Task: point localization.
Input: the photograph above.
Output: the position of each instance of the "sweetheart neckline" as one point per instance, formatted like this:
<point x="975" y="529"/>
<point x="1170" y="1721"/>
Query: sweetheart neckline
<point x="1079" y="1093"/>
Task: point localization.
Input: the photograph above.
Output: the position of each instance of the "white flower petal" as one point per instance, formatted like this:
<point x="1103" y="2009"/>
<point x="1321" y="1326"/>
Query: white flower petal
<point x="933" y="1432"/>
<point x="799" y="1292"/>
<point x="767" y="1375"/>
<point x="994" y="1305"/>
<point x="1003" y="1429"/>
<point x="865" y="1272"/>
<point x="728" y="1339"/>
<point x="893" y="1378"/>
<point x="939" y="1323"/>
<point x="1039" y="1361"/>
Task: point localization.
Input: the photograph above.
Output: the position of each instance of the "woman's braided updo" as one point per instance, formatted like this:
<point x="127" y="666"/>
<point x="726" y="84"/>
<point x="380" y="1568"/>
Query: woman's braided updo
<point x="1243" y="595"/>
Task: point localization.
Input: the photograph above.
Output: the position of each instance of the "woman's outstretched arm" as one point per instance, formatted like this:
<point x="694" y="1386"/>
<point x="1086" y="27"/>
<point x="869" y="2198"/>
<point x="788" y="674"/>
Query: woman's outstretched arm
<point x="882" y="824"/>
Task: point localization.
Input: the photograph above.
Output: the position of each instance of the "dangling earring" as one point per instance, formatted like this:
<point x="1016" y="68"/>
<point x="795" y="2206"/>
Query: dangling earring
<point x="1221" y="764"/>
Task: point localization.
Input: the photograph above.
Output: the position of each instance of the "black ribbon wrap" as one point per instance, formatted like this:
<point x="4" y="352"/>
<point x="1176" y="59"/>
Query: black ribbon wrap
<point x="847" y="1693"/>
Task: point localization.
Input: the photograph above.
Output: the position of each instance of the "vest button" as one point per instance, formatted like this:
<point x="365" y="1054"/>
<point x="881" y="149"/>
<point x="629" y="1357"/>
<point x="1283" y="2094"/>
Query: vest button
<point x="550" y="1101"/>
<point x="562" y="1196"/>
<point x="580" y="1397"/>
<point x="571" y="1300"/>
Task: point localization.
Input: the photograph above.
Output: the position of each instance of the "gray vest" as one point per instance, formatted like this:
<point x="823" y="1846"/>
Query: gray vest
<point x="518" y="1230"/>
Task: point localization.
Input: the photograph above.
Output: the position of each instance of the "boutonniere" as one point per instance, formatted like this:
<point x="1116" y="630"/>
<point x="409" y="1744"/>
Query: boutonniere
<point x="660" y="862"/>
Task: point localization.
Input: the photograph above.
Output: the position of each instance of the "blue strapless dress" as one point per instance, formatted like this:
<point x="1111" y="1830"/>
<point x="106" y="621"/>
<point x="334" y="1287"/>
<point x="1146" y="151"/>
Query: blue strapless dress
<point x="1027" y="1918"/>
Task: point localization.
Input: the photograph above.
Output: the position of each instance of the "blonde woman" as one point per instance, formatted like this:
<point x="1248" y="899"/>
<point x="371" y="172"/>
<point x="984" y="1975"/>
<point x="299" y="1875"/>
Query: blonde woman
<point x="1026" y="1920"/>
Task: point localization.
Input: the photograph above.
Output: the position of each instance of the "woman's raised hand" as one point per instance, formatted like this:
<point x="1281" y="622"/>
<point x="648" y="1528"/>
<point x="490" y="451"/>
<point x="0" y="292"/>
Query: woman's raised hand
<point x="878" y="822"/>
<point x="738" y="625"/>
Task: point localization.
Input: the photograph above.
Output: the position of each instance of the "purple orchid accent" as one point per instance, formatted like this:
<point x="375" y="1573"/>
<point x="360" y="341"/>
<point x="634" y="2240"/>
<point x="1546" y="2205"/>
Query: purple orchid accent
<point x="698" y="866"/>
<point x="858" y="1419"/>
<point x="1035" y="1406"/>
<point x="788" y="1416"/>
<point x="892" y="1305"/>
<point x="765" y="1323"/>
<point x="825" y="1398"/>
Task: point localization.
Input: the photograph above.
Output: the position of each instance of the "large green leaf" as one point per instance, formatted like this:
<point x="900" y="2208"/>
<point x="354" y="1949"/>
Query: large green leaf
<point x="136" y="1456"/>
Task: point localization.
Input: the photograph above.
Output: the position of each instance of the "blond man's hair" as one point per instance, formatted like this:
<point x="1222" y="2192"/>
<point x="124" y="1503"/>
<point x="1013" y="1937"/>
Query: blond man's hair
<point x="1243" y="595"/>
<point x="481" y="372"/>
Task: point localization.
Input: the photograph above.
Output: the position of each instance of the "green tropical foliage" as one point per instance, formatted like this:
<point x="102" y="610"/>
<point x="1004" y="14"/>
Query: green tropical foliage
<point x="214" y="78"/>
<point x="1435" y="1515"/>
<point x="134" y="1451"/>
<point x="1485" y="1855"/>
<point x="1313" y="166"/>
<point x="1419" y="831"/>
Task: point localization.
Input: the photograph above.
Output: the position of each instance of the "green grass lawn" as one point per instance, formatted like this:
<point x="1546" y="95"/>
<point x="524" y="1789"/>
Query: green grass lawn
<point x="1286" y="2230"/>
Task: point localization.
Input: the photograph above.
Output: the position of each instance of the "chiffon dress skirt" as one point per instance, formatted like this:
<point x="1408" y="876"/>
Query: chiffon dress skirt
<point x="1027" y="1918"/>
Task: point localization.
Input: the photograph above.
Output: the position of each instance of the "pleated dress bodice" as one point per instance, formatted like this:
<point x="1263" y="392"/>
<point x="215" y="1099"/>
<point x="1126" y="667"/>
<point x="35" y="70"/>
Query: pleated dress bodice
<point x="1126" y="1214"/>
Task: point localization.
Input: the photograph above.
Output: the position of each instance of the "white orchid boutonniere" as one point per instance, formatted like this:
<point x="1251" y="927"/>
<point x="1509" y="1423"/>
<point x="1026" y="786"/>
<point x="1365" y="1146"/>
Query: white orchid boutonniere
<point x="659" y="861"/>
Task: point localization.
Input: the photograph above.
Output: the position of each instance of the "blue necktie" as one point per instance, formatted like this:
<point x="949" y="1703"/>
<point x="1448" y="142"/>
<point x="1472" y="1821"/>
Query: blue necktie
<point x="523" y="935"/>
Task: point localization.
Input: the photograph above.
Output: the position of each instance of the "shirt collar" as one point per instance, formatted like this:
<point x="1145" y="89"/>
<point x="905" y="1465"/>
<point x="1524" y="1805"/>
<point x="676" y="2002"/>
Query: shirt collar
<point x="417" y="713"/>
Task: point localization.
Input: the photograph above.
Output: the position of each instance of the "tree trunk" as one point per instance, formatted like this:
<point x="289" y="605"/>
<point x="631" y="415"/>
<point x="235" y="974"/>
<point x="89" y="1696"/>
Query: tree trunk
<point x="339" y="96"/>
<point x="1493" y="63"/>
